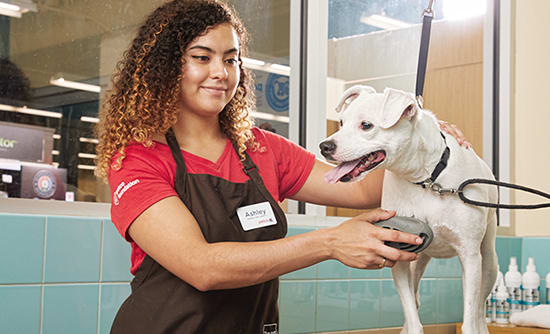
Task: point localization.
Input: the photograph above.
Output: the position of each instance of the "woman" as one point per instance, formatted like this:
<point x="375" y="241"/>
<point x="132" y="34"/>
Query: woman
<point x="195" y="187"/>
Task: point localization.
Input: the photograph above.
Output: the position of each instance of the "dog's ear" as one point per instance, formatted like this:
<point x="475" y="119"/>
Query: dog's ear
<point x="396" y="104"/>
<point x="351" y="94"/>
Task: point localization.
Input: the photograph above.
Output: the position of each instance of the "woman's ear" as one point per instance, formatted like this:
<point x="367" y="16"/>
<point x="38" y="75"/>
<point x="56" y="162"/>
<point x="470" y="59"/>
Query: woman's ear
<point x="397" y="104"/>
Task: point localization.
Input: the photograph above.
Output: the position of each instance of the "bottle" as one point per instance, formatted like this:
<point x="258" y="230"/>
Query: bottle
<point x="502" y="307"/>
<point x="493" y="294"/>
<point x="530" y="283"/>
<point x="548" y="288"/>
<point x="490" y="304"/>
<point x="512" y="279"/>
<point x="488" y="310"/>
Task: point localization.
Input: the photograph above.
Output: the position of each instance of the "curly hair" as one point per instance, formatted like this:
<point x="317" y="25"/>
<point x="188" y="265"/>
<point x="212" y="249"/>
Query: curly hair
<point x="146" y="82"/>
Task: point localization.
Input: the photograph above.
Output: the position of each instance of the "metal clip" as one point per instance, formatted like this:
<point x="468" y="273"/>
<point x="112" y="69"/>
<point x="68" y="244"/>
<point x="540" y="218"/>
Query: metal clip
<point x="436" y="187"/>
<point x="420" y="101"/>
<point x="429" y="9"/>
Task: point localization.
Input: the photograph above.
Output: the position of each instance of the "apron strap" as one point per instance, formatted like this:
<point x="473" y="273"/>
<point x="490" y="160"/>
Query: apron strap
<point x="249" y="167"/>
<point x="175" y="148"/>
<point x="251" y="170"/>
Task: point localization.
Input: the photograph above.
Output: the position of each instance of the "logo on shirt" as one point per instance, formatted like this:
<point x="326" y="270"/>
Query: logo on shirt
<point x="122" y="188"/>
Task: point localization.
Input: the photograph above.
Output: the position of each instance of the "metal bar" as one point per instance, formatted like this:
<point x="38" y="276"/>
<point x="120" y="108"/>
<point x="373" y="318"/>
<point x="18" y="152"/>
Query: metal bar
<point x="303" y="84"/>
<point x="496" y="93"/>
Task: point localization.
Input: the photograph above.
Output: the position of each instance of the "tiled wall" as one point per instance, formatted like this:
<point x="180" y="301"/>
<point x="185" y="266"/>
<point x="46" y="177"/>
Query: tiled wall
<point x="60" y="274"/>
<point x="69" y="275"/>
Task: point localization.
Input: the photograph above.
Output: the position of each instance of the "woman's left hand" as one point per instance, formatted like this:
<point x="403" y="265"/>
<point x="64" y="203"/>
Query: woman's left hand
<point x="455" y="132"/>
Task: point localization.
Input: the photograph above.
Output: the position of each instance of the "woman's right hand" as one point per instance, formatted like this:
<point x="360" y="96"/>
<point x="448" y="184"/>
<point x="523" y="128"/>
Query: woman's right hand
<point x="360" y="244"/>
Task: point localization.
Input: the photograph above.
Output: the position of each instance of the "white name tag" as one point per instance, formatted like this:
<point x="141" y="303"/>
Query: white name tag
<point x="256" y="216"/>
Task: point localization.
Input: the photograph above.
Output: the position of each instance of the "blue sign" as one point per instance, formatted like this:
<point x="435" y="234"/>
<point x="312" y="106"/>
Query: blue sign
<point x="277" y="92"/>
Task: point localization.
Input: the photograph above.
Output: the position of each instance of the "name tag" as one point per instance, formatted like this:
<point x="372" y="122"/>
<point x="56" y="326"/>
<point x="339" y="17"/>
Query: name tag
<point x="256" y="216"/>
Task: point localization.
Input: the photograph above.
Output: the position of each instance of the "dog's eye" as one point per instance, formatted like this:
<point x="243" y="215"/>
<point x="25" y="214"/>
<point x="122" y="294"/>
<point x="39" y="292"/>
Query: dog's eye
<point x="341" y="123"/>
<point x="366" y="125"/>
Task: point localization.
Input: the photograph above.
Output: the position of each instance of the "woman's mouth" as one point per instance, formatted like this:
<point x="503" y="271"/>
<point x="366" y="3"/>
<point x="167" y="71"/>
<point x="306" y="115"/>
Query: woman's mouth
<point x="216" y="91"/>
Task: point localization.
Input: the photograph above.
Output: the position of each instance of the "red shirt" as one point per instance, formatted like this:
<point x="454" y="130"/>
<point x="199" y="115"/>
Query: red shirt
<point x="148" y="174"/>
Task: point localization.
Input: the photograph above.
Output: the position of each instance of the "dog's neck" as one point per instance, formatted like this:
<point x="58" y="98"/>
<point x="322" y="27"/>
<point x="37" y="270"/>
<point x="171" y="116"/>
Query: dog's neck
<point x="420" y="157"/>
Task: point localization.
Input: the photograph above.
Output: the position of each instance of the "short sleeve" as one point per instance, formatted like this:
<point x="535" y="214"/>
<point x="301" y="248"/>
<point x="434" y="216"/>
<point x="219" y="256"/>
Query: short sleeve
<point x="294" y="163"/>
<point x="142" y="181"/>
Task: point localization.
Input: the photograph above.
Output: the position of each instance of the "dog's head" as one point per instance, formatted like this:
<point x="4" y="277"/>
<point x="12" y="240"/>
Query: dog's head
<point x="371" y="134"/>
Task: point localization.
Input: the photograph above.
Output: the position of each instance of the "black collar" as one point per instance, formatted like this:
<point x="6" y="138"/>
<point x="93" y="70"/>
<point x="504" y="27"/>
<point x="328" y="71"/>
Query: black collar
<point x="439" y="167"/>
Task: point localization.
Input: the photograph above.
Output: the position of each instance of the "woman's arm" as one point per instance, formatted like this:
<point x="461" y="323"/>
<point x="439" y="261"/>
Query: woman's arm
<point x="168" y="232"/>
<point x="364" y="194"/>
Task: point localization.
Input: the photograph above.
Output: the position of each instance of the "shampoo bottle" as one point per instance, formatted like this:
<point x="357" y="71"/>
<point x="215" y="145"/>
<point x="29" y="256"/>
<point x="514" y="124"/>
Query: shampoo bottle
<point x="530" y="283"/>
<point x="548" y="288"/>
<point x="501" y="306"/>
<point x="488" y="309"/>
<point x="512" y="279"/>
<point x="491" y="309"/>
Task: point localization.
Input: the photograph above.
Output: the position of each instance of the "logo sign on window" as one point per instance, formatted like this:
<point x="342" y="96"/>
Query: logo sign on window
<point x="21" y="143"/>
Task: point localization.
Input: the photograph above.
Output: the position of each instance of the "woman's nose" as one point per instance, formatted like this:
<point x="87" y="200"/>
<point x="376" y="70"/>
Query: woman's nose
<point x="218" y="70"/>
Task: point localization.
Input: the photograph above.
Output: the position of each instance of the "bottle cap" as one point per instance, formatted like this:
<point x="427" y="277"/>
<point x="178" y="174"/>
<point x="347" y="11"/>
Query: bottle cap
<point x="501" y="287"/>
<point x="531" y="265"/>
<point x="513" y="266"/>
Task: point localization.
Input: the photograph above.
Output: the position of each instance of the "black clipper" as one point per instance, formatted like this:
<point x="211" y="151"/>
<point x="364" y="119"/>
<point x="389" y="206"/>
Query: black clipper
<point x="409" y="225"/>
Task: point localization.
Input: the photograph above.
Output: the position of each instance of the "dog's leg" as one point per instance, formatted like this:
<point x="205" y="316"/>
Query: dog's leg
<point x="471" y="286"/>
<point x="489" y="268"/>
<point x="402" y="277"/>
<point x="417" y="268"/>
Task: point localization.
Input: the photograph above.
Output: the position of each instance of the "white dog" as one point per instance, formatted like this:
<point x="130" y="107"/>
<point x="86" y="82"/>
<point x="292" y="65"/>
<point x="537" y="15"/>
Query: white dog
<point x="391" y="131"/>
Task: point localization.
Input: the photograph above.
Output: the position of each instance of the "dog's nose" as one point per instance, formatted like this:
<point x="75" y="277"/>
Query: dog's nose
<point x="328" y="148"/>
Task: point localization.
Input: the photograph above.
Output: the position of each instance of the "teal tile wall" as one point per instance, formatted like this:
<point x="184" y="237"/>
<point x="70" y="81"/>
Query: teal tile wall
<point x="21" y="244"/>
<point x="82" y="237"/>
<point x="114" y="268"/>
<point x="19" y="309"/>
<point x="69" y="308"/>
<point x="506" y="248"/>
<point x="364" y="304"/>
<point x="74" y="277"/>
<point x="297" y="301"/>
<point x="60" y="275"/>
<point x="332" y="307"/>
<point x="111" y="297"/>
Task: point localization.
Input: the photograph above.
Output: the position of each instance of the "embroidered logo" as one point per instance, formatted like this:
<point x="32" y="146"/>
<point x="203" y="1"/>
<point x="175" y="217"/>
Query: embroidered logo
<point x="122" y="188"/>
<point x="270" y="329"/>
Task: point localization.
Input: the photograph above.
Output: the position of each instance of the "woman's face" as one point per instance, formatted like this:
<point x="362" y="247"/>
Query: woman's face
<point x="210" y="73"/>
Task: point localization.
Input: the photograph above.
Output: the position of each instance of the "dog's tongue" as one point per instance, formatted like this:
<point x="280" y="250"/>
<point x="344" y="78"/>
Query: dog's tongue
<point x="342" y="169"/>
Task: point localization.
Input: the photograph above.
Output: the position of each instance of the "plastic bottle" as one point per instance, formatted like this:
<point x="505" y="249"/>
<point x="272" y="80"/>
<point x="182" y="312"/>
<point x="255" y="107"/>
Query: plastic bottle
<point x="500" y="278"/>
<point x="512" y="279"/>
<point x="530" y="284"/>
<point x="548" y="288"/>
<point x="502" y="307"/>
<point x="488" y="310"/>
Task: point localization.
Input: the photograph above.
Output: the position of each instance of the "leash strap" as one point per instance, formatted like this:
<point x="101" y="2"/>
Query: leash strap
<point x="423" y="53"/>
<point x="468" y="182"/>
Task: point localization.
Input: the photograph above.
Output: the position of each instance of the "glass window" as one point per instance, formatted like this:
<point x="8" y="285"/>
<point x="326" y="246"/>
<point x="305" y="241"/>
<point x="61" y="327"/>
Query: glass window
<point x="376" y="43"/>
<point x="57" y="58"/>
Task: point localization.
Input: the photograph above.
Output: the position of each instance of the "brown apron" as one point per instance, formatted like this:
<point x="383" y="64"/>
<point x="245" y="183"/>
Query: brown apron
<point x="163" y="303"/>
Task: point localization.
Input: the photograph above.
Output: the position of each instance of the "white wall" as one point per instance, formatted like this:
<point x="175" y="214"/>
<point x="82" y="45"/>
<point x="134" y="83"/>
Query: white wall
<point x="530" y="113"/>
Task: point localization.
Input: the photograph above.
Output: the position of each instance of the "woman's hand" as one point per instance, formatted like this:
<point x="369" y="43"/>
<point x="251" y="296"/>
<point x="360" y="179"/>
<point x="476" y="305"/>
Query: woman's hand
<point x="360" y="244"/>
<point x="455" y="132"/>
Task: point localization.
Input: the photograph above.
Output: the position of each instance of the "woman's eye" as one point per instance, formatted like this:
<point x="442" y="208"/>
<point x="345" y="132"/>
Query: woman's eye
<point x="201" y="58"/>
<point x="232" y="61"/>
<point x="366" y="125"/>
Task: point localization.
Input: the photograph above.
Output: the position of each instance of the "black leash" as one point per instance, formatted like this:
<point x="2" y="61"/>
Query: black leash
<point x="460" y="192"/>
<point x="428" y="15"/>
<point x="430" y="183"/>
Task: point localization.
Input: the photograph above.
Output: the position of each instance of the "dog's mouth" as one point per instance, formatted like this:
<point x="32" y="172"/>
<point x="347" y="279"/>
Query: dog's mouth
<point x="349" y="170"/>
